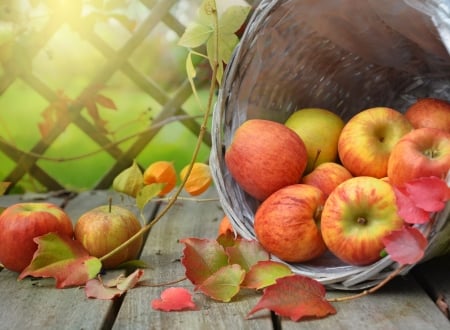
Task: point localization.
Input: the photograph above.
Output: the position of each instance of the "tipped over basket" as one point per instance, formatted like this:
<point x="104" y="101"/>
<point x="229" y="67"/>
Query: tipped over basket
<point x="345" y="56"/>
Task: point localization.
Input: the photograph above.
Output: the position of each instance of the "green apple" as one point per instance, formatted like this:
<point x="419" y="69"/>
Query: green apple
<point x="355" y="218"/>
<point x="319" y="129"/>
<point x="367" y="139"/>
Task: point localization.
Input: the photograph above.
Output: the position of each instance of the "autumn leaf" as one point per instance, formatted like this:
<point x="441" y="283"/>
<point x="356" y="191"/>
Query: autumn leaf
<point x="408" y="210"/>
<point x="202" y="258"/>
<point x="428" y="193"/>
<point x="224" y="284"/>
<point x="295" y="297"/>
<point x="147" y="193"/>
<point x="246" y="253"/>
<point x="62" y="258"/>
<point x="265" y="273"/>
<point x="406" y="245"/>
<point x="113" y="288"/>
<point x="174" y="299"/>
<point x="52" y="115"/>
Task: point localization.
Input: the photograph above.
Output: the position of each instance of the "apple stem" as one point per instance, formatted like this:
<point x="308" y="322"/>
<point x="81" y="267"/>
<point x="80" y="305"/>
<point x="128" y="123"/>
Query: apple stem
<point x="316" y="158"/>
<point x="361" y="221"/>
<point x="110" y="204"/>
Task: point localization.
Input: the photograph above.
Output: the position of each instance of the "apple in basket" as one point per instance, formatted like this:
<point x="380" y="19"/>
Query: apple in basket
<point x="327" y="176"/>
<point x="104" y="228"/>
<point x="287" y="223"/>
<point x="319" y="129"/>
<point x="355" y="218"/>
<point x="367" y="139"/>
<point x="21" y="223"/>
<point x="265" y="156"/>
<point x="423" y="152"/>
<point x="429" y="112"/>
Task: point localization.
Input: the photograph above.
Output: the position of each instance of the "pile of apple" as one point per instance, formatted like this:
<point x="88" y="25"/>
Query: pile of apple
<point x="325" y="184"/>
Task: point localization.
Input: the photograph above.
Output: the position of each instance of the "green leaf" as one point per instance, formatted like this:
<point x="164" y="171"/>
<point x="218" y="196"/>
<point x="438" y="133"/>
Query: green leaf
<point x="233" y="18"/>
<point x="264" y="274"/>
<point x="195" y="35"/>
<point x="64" y="259"/>
<point x="207" y="12"/>
<point x="223" y="284"/>
<point x="147" y="193"/>
<point x="246" y="253"/>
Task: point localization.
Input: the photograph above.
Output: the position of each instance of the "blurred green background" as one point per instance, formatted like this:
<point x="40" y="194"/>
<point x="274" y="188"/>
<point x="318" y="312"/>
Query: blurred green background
<point x="67" y="63"/>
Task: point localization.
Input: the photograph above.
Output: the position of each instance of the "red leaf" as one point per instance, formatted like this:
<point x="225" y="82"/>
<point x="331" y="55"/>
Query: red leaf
<point x="174" y="299"/>
<point x="295" y="297"/>
<point x="224" y="284"/>
<point x="405" y="246"/>
<point x="408" y="210"/>
<point x="429" y="193"/>
<point x="62" y="258"/>
<point x="105" y="102"/>
<point x="202" y="258"/>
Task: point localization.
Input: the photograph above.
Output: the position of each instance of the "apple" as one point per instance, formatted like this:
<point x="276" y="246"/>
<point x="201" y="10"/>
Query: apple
<point x="355" y="218"/>
<point x="367" y="139"/>
<point x="423" y="152"/>
<point x="429" y="112"/>
<point x="327" y="176"/>
<point x="265" y="156"/>
<point x="319" y="129"/>
<point x="287" y="225"/>
<point x="104" y="228"/>
<point x="20" y="223"/>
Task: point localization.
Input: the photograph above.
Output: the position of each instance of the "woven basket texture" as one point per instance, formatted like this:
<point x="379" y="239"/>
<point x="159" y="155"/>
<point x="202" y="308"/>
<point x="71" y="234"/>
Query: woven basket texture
<point x="345" y="56"/>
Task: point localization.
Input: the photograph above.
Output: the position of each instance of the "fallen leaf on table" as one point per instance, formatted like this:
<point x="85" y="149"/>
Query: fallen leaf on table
<point x="174" y="299"/>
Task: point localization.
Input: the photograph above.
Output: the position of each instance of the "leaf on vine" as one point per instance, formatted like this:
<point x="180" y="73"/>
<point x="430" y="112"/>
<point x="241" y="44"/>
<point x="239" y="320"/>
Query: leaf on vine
<point x="112" y="288"/>
<point x="246" y="253"/>
<point x="105" y="102"/>
<point x="3" y="187"/>
<point x="295" y="297"/>
<point x="224" y="284"/>
<point x="406" y="245"/>
<point x="147" y="193"/>
<point x="62" y="258"/>
<point x="265" y="273"/>
<point x="54" y="113"/>
<point x="428" y="193"/>
<point x="174" y="299"/>
<point x="195" y="35"/>
<point x="202" y="258"/>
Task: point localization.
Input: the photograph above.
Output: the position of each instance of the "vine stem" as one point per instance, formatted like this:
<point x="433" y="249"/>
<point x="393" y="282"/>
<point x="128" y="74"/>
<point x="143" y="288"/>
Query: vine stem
<point x="174" y="198"/>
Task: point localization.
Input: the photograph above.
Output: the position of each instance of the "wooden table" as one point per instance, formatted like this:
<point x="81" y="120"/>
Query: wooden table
<point x="406" y="303"/>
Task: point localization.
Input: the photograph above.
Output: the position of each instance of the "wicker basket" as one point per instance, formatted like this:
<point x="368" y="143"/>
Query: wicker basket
<point x="341" y="55"/>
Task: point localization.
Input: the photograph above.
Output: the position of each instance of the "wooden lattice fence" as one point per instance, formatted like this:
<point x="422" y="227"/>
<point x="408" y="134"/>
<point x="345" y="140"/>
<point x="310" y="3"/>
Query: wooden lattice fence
<point x="81" y="110"/>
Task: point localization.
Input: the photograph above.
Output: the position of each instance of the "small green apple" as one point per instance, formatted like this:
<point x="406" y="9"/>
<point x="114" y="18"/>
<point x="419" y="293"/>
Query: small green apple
<point x="319" y="129"/>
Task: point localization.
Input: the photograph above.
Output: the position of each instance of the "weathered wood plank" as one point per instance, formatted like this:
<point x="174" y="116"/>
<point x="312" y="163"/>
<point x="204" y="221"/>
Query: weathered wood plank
<point x="37" y="304"/>
<point x="162" y="252"/>
<point x="401" y="304"/>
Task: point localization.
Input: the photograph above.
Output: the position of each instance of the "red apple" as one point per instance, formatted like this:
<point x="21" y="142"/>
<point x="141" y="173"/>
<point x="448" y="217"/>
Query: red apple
<point x="21" y="223"/>
<point x="287" y="223"/>
<point x="327" y="176"/>
<point x="265" y="156"/>
<point x="429" y="112"/>
<point x="356" y="217"/>
<point x="104" y="228"/>
<point x="423" y="152"/>
<point x="367" y="139"/>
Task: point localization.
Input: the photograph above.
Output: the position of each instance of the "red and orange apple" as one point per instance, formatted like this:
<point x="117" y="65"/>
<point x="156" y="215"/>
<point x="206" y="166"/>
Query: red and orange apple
<point x="429" y="112"/>
<point x="367" y="139"/>
<point x="327" y="176"/>
<point x="21" y="223"/>
<point x="287" y="223"/>
<point x="265" y="156"/>
<point x="423" y="152"/>
<point x="355" y="218"/>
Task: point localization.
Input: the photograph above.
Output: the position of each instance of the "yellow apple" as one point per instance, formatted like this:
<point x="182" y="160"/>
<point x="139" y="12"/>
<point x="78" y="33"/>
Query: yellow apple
<point x="319" y="129"/>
